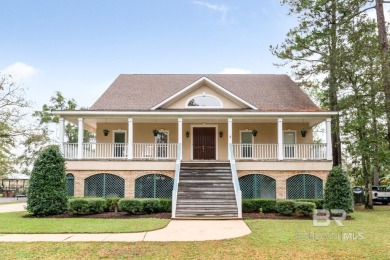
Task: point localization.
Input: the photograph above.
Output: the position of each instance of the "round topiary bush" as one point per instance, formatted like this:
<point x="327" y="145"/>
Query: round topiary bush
<point x="47" y="192"/>
<point x="338" y="191"/>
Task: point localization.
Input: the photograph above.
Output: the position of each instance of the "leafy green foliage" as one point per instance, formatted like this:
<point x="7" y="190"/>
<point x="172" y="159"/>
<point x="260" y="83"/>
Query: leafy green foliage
<point x="112" y="204"/>
<point x="166" y="205"/>
<point x="83" y="206"/>
<point x="285" y="207"/>
<point x="319" y="203"/>
<point x="304" y="208"/>
<point x="131" y="206"/>
<point x="338" y="191"/>
<point x="254" y="205"/>
<point x="47" y="193"/>
<point x="151" y="205"/>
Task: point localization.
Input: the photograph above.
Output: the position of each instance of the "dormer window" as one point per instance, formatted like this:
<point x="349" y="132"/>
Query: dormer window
<point x="204" y="101"/>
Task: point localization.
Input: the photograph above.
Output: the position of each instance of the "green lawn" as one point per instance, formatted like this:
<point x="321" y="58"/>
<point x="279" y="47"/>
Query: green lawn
<point x="277" y="239"/>
<point x="15" y="223"/>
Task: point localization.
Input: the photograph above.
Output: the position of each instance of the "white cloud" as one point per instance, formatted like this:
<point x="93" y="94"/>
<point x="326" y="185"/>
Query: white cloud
<point x="234" y="71"/>
<point x="20" y="71"/>
<point x="223" y="9"/>
<point x="372" y="13"/>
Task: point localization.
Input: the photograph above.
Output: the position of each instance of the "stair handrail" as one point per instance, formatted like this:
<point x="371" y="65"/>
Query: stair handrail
<point x="236" y="184"/>
<point x="176" y="180"/>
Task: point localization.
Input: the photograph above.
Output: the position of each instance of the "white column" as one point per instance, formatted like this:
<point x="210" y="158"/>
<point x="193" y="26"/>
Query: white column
<point x="80" y="139"/>
<point x="280" y="139"/>
<point x="180" y="135"/>
<point x="61" y="126"/>
<point x="328" y="139"/>
<point x="130" y="139"/>
<point x="230" y="134"/>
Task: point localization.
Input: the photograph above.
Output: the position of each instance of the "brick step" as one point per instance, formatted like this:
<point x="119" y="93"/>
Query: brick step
<point x="200" y="165"/>
<point x="207" y="216"/>
<point x="199" y="174"/>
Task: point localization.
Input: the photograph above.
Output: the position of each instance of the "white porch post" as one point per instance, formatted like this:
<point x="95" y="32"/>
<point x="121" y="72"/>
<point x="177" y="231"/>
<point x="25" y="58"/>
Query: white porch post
<point x="230" y="134"/>
<point x="180" y="135"/>
<point x="280" y="139"/>
<point x="61" y="126"/>
<point x="328" y="139"/>
<point x="130" y="139"/>
<point x="80" y="139"/>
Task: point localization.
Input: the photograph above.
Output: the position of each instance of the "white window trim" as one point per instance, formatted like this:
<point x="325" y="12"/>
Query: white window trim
<point x="201" y="107"/>
<point x="119" y="131"/>
<point x="162" y="131"/>
<point x="216" y="140"/>
<point x="247" y="131"/>
<point x="290" y="131"/>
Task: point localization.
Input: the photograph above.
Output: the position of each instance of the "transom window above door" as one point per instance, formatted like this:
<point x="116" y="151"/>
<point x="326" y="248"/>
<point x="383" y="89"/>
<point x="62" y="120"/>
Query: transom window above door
<point x="204" y="101"/>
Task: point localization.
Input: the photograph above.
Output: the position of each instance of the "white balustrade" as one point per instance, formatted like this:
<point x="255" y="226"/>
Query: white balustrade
<point x="270" y="151"/>
<point x="154" y="151"/>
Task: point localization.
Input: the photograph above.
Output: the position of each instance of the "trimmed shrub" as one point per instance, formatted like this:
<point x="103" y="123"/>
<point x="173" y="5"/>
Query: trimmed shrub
<point x="83" y="206"/>
<point x="254" y="205"/>
<point x="131" y="206"/>
<point x="47" y="193"/>
<point x="318" y="202"/>
<point x="166" y="205"/>
<point x="151" y="205"/>
<point x="338" y="191"/>
<point x="112" y="204"/>
<point x="304" y="208"/>
<point x="285" y="207"/>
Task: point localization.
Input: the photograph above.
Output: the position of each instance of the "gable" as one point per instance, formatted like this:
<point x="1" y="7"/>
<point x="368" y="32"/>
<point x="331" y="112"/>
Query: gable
<point x="260" y="92"/>
<point x="203" y="90"/>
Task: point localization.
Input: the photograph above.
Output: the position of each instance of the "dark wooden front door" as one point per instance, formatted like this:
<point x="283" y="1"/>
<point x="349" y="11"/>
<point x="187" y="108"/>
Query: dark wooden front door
<point x="204" y="143"/>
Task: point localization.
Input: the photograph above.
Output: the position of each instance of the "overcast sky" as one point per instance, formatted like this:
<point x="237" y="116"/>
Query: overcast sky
<point x="80" y="47"/>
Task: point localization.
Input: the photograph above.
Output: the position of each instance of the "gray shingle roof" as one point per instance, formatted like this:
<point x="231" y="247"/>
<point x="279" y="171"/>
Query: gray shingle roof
<point x="268" y="92"/>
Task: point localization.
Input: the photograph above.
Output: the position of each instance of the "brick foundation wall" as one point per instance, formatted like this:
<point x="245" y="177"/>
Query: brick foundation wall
<point x="282" y="176"/>
<point x="128" y="176"/>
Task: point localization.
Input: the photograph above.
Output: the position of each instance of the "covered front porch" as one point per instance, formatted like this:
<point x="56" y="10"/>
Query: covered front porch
<point x="204" y="137"/>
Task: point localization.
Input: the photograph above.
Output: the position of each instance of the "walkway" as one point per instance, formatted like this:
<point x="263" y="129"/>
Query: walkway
<point x="177" y="230"/>
<point x="13" y="207"/>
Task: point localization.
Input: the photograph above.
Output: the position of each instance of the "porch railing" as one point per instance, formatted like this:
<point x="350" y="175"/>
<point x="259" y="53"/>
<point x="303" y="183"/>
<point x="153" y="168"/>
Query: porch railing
<point x="154" y="151"/>
<point x="270" y="151"/>
<point x="120" y="150"/>
<point x="176" y="181"/>
<point x="236" y="184"/>
<point x="256" y="151"/>
<point x="304" y="151"/>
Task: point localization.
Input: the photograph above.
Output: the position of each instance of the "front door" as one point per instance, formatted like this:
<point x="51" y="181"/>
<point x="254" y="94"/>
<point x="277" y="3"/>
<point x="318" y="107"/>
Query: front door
<point x="119" y="144"/>
<point x="204" y="146"/>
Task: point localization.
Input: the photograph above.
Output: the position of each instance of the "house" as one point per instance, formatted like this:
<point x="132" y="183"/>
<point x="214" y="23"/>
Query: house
<point x="207" y="141"/>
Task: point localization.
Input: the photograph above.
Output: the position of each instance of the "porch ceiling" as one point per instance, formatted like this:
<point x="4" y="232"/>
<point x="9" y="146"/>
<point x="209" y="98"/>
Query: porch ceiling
<point x="91" y="123"/>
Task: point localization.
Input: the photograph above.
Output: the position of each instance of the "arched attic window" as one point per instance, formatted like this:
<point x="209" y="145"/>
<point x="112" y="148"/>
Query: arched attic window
<point x="204" y="101"/>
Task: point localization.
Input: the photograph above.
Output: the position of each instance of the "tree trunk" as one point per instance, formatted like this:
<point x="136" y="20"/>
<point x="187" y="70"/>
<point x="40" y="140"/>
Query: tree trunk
<point x="382" y="33"/>
<point x="333" y="101"/>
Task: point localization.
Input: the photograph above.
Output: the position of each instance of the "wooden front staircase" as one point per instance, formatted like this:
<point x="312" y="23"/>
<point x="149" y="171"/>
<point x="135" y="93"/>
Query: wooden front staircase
<point x="206" y="191"/>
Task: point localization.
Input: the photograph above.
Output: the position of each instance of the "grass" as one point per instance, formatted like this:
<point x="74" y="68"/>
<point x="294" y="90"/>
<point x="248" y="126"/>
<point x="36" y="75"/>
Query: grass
<point x="276" y="239"/>
<point x="12" y="202"/>
<point x="15" y="223"/>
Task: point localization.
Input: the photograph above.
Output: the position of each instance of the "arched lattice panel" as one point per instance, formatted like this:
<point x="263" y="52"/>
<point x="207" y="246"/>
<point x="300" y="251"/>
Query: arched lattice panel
<point x="304" y="186"/>
<point x="153" y="186"/>
<point x="104" y="185"/>
<point x="257" y="186"/>
<point x="70" y="184"/>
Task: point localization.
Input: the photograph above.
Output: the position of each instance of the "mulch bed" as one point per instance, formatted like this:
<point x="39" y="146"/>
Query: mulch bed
<point x="166" y="215"/>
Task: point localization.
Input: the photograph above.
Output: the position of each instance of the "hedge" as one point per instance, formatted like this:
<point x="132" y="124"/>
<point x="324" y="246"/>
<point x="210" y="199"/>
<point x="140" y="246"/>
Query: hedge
<point x="254" y="205"/>
<point x="83" y="206"/>
<point x="318" y="202"/>
<point x="304" y="208"/>
<point x="285" y="207"/>
<point x="135" y="206"/>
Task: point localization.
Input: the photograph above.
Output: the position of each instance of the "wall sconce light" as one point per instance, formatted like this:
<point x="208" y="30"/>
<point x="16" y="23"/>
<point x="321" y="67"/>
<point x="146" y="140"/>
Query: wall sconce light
<point x="303" y="132"/>
<point x="155" y="132"/>
<point x="187" y="134"/>
<point x="220" y="134"/>
<point x="106" y="132"/>
<point x="254" y="132"/>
